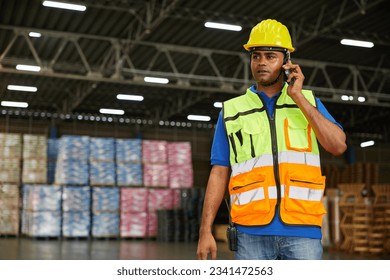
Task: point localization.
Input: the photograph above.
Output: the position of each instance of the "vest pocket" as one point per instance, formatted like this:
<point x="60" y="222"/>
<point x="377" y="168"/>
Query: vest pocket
<point x="304" y="195"/>
<point x="297" y="133"/>
<point x="248" y="195"/>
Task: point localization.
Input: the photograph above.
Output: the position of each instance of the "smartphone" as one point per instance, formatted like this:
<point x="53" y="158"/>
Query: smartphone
<point x="288" y="72"/>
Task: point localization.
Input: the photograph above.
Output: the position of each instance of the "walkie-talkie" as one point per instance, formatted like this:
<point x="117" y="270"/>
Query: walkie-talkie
<point x="231" y="232"/>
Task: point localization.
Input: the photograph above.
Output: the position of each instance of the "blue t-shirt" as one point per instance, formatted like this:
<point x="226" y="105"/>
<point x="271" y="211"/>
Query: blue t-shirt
<point x="220" y="155"/>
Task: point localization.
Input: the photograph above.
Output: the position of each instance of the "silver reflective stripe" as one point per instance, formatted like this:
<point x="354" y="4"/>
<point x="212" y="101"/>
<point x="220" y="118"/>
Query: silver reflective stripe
<point x="247" y="197"/>
<point x="305" y="193"/>
<point x="267" y="160"/>
<point x="300" y="158"/>
<point x="248" y="165"/>
<point x="273" y="193"/>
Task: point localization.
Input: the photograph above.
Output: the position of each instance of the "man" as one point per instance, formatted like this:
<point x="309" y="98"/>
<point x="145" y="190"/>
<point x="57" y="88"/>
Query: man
<point x="265" y="150"/>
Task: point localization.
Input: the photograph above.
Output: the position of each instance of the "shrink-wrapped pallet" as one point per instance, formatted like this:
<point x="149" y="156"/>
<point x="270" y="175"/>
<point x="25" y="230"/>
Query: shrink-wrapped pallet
<point x="42" y="198"/>
<point x="72" y="162"/>
<point x="156" y="175"/>
<point x="105" y="199"/>
<point x="134" y="200"/>
<point x="129" y="174"/>
<point x="134" y="224"/>
<point x="102" y="149"/>
<point x="102" y="173"/>
<point x="41" y="223"/>
<point x="154" y="151"/>
<point x="128" y="150"/>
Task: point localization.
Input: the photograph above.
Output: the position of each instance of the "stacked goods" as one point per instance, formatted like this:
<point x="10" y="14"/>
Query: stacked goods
<point x="134" y="215"/>
<point x="180" y="165"/>
<point x="52" y="154"/>
<point x="129" y="162"/>
<point x="181" y="221"/>
<point x="191" y="202"/>
<point x="72" y="162"/>
<point x="9" y="205"/>
<point x="34" y="159"/>
<point x="76" y="218"/>
<point x="158" y="199"/>
<point x="10" y="157"/>
<point x="105" y="211"/>
<point x="102" y="161"/>
<point x="41" y="216"/>
<point x="154" y="158"/>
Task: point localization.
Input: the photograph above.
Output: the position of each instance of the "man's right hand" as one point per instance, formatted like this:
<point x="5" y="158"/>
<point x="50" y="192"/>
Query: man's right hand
<point x="206" y="246"/>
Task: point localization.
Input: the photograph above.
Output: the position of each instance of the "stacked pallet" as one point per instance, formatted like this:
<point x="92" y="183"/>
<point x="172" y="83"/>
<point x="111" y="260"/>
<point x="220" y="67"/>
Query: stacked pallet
<point x="102" y="162"/>
<point x="10" y="174"/>
<point x="105" y="212"/>
<point x="73" y="161"/>
<point x="34" y="159"/>
<point x="380" y="229"/>
<point x="76" y="213"/>
<point x="41" y="214"/>
<point x="350" y="196"/>
<point x="155" y="160"/>
<point x="10" y="158"/>
<point x="364" y="223"/>
<point x="128" y="154"/>
<point x="9" y="205"/>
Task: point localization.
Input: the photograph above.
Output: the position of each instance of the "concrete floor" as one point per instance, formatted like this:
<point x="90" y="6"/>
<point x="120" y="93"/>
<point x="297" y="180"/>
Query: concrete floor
<point x="34" y="249"/>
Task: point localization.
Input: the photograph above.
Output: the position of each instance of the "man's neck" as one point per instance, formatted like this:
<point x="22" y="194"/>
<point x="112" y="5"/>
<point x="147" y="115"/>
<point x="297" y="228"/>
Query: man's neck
<point x="270" y="90"/>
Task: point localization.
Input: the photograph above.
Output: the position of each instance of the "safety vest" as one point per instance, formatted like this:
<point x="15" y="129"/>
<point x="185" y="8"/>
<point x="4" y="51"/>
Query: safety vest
<point x="274" y="161"/>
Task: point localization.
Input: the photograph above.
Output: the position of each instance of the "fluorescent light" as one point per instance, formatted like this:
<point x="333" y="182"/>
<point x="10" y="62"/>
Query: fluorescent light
<point x="130" y="97"/>
<point x="367" y="144"/>
<point x="14" y="104"/>
<point x="62" y="5"/>
<point x="25" y="67"/>
<point x="35" y="34"/>
<point x="22" y="88"/>
<point x="357" y="43"/>
<point x="198" y="118"/>
<point x="223" y="26"/>
<point x="111" y="111"/>
<point x="156" y="80"/>
<point x="218" y="104"/>
<point x="361" y="99"/>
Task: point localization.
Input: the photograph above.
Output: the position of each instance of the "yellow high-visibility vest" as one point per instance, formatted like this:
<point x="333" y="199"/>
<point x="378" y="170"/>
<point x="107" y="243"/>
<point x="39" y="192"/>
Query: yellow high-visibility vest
<point x="274" y="160"/>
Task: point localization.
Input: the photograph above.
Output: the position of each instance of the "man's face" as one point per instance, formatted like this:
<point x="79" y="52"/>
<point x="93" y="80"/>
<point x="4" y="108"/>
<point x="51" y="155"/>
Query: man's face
<point x="266" y="66"/>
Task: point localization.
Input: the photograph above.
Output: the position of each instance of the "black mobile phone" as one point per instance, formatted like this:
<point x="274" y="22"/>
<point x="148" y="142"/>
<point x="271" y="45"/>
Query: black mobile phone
<point x="287" y="72"/>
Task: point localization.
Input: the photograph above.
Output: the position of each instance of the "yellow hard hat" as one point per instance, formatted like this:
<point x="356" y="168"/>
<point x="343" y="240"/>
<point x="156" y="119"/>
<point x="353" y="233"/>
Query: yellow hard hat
<point x="269" y="33"/>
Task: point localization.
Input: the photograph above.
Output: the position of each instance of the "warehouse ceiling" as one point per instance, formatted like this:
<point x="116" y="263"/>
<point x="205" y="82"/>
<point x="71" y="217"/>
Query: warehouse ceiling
<point x="89" y="57"/>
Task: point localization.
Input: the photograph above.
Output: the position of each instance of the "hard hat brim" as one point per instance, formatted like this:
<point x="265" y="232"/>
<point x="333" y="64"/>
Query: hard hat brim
<point x="248" y="47"/>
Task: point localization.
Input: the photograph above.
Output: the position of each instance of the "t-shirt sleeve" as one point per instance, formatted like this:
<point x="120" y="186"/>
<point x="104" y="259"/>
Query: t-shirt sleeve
<point x="220" y="152"/>
<point x="321" y="108"/>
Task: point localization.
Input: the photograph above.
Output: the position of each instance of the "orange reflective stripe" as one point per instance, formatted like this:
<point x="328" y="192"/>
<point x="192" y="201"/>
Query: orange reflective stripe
<point x="308" y="149"/>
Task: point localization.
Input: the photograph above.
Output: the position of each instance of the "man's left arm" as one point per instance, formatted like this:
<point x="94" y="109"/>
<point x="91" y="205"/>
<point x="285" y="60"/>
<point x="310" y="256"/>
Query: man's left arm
<point x="331" y="137"/>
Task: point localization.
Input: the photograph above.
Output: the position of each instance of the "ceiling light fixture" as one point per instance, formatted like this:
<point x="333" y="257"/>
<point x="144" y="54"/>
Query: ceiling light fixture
<point x="357" y="43"/>
<point x="62" y="5"/>
<point x="25" y="67"/>
<point x="14" y="104"/>
<point x="223" y="26"/>
<point x="361" y="99"/>
<point x="22" y="88"/>
<point x="130" y="97"/>
<point x="198" y="118"/>
<point x="111" y="111"/>
<point x="367" y="143"/>
<point x="34" y="34"/>
<point x="156" y="80"/>
<point x="218" y="104"/>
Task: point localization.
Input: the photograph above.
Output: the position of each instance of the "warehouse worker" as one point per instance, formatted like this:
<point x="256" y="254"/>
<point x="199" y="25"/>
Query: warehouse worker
<point x="265" y="150"/>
